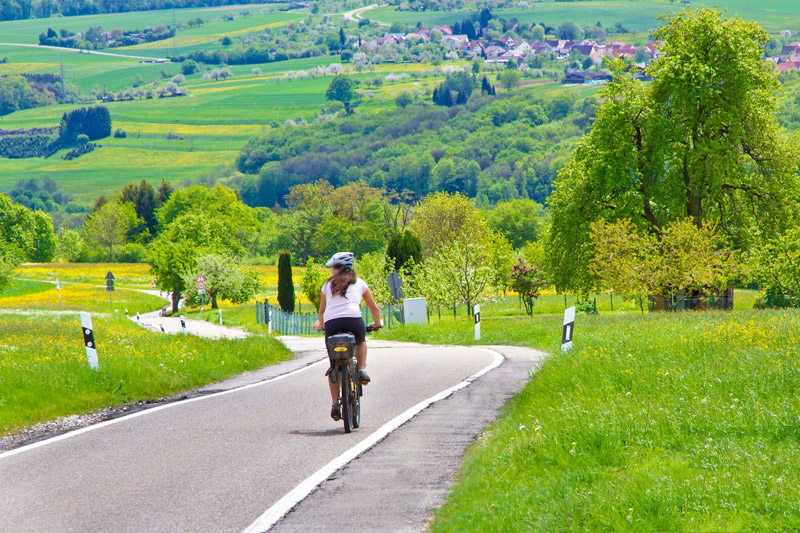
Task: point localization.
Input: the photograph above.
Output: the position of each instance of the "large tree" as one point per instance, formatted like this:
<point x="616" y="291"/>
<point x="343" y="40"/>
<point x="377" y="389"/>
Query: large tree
<point x="342" y="89"/>
<point x="25" y="235"/>
<point x="701" y="142"/>
<point x="108" y="227"/>
<point x="174" y="253"/>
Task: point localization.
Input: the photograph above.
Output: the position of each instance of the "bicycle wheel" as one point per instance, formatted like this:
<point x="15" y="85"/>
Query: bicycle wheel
<point x="356" y="399"/>
<point x="347" y="399"/>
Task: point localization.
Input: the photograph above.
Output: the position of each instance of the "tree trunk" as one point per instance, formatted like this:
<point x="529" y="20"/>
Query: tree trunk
<point x="214" y="301"/>
<point x="176" y="298"/>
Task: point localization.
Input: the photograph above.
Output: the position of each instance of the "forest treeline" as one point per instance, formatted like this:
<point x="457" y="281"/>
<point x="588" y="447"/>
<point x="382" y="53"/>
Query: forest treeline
<point x="489" y="149"/>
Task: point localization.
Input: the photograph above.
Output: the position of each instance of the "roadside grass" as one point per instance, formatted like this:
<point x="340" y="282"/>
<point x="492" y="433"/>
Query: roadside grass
<point x="654" y="422"/>
<point x="44" y="373"/>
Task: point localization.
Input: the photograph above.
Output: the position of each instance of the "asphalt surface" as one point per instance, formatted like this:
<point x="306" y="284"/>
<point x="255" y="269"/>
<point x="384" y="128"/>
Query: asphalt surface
<point x="217" y="462"/>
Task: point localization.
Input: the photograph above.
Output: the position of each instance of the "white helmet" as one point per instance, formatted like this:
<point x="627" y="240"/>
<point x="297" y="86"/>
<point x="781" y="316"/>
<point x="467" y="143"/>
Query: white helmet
<point x="343" y="259"/>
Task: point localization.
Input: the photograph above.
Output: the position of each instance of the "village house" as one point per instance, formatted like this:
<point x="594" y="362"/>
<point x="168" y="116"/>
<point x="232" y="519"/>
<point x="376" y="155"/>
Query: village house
<point x="455" y="42"/>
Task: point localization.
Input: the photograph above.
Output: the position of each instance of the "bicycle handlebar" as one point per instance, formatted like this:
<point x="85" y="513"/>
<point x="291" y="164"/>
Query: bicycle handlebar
<point x="371" y="329"/>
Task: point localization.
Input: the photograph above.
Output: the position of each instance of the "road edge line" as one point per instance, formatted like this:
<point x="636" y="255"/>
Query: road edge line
<point x="105" y="423"/>
<point x="280" y="508"/>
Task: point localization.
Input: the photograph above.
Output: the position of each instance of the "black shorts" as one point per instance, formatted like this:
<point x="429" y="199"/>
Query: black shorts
<point x="353" y="325"/>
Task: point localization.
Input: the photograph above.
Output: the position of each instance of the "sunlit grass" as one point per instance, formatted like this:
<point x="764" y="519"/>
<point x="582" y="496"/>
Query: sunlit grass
<point x="44" y="373"/>
<point x="656" y="422"/>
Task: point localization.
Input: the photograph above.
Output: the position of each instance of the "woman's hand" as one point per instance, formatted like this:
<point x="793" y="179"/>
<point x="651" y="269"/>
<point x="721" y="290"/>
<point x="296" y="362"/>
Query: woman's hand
<point x="375" y="325"/>
<point x="318" y="326"/>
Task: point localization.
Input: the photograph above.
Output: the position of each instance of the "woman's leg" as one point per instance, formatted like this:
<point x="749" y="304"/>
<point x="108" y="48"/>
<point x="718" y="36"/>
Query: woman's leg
<point x="361" y="355"/>
<point x="334" y="391"/>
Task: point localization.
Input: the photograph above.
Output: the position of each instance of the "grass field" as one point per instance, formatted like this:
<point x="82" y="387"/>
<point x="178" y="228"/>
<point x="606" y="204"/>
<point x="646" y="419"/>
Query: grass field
<point x="43" y="370"/>
<point x="44" y="374"/>
<point x="640" y="16"/>
<point x="656" y="422"/>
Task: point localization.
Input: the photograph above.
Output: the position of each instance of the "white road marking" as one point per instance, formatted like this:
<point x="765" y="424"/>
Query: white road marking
<point x="144" y="412"/>
<point x="277" y="511"/>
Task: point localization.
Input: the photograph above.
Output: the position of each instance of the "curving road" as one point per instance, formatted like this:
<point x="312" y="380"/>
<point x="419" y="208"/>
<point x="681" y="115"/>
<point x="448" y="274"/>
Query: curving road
<point x="355" y="14"/>
<point x="78" y="51"/>
<point x="254" y="447"/>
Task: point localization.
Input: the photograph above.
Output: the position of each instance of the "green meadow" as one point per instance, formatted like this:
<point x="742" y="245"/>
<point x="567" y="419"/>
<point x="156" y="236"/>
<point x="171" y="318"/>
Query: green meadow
<point x="656" y="422"/>
<point x="43" y="369"/>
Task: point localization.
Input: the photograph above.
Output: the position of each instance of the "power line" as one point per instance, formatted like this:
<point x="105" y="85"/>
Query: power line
<point x="175" y="35"/>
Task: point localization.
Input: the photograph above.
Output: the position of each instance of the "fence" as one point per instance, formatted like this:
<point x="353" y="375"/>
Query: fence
<point x="779" y="301"/>
<point x="700" y="303"/>
<point x="284" y="323"/>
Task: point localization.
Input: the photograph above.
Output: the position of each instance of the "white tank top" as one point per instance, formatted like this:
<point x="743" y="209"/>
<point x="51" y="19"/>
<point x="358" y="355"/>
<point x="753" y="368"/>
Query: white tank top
<point x="341" y="307"/>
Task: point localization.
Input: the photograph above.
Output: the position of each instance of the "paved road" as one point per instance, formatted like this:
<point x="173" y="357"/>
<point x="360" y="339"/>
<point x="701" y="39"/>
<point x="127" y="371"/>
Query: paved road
<point x="218" y="462"/>
<point x="355" y="14"/>
<point x="78" y="51"/>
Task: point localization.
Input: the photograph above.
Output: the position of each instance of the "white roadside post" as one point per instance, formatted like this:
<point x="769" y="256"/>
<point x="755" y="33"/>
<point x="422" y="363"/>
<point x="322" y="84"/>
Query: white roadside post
<point x="568" y="330"/>
<point x="220" y="317"/>
<point x="58" y="288"/>
<point x="183" y="325"/>
<point x="88" y="340"/>
<point x="269" y="319"/>
<point x="477" y="322"/>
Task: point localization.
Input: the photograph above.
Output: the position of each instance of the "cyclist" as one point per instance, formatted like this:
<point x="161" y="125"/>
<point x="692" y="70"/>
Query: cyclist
<point x="340" y="312"/>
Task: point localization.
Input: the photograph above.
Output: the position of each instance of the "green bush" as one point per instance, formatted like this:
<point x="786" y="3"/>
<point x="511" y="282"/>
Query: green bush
<point x="131" y="253"/>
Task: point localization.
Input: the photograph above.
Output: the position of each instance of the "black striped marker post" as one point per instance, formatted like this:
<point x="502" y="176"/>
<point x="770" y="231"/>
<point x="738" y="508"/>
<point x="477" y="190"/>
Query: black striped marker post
<point x="477" y="322"/>
<point x="569" y="328"/>
<point x="88" y="340"/>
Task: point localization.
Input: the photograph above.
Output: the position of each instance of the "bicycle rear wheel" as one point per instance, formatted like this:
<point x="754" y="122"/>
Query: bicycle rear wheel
<point x="347" y="399"/>
<point x="356" y="398"/>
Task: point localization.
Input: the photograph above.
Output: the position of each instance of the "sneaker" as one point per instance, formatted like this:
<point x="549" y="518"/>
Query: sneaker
<point x="331" y="374"/>
<point x="363" y="377"/>
<point x="336" y="411"/>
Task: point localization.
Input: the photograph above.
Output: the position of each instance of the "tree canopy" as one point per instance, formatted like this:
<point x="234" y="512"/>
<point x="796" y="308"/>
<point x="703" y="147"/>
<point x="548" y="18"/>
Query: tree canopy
<point x="701" y="142"/>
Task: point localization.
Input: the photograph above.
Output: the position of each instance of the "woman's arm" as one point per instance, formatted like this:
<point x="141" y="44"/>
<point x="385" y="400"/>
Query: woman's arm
<point x="320" y="323"/>
<point x="373" y="307"/>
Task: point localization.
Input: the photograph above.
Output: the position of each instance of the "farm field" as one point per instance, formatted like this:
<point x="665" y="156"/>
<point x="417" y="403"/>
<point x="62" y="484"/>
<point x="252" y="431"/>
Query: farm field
<point x="655" y="422"/>
<point x="206" y="128"/>
<point x="129" y="275"/>
<point x="640" y="15"/>
<point x="212" y="123"/>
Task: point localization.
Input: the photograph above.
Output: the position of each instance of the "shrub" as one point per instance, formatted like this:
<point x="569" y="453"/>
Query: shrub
<point x="285" y="283"/>
<point x="131" y="253"/>
<point x="404" y="248"/>
<point x="119" y="133"/>
<point x="313" y="280"/>
<point x="189" y="67"/>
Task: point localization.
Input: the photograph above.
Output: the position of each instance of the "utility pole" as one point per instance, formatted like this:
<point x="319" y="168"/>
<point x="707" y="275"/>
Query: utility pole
<point x="63" y="81"/>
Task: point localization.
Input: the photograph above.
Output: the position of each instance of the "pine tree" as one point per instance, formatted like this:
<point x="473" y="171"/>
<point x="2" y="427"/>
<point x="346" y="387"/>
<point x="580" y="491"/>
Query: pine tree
<point x="436" y="96"/>
<point x="342" y="38"/>
<point x="285" y="283"/>
<point x="402" y="248"/>
<point x="447" y="98"/>
<point x="461" y="99"/>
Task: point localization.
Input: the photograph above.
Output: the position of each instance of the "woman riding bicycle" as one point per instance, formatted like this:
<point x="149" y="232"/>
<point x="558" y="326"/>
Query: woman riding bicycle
<point x="340" y="312"/>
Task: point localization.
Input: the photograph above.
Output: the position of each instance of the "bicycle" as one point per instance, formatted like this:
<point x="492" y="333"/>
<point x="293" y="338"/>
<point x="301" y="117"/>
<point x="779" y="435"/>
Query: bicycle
<point x="342" y="349"/>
